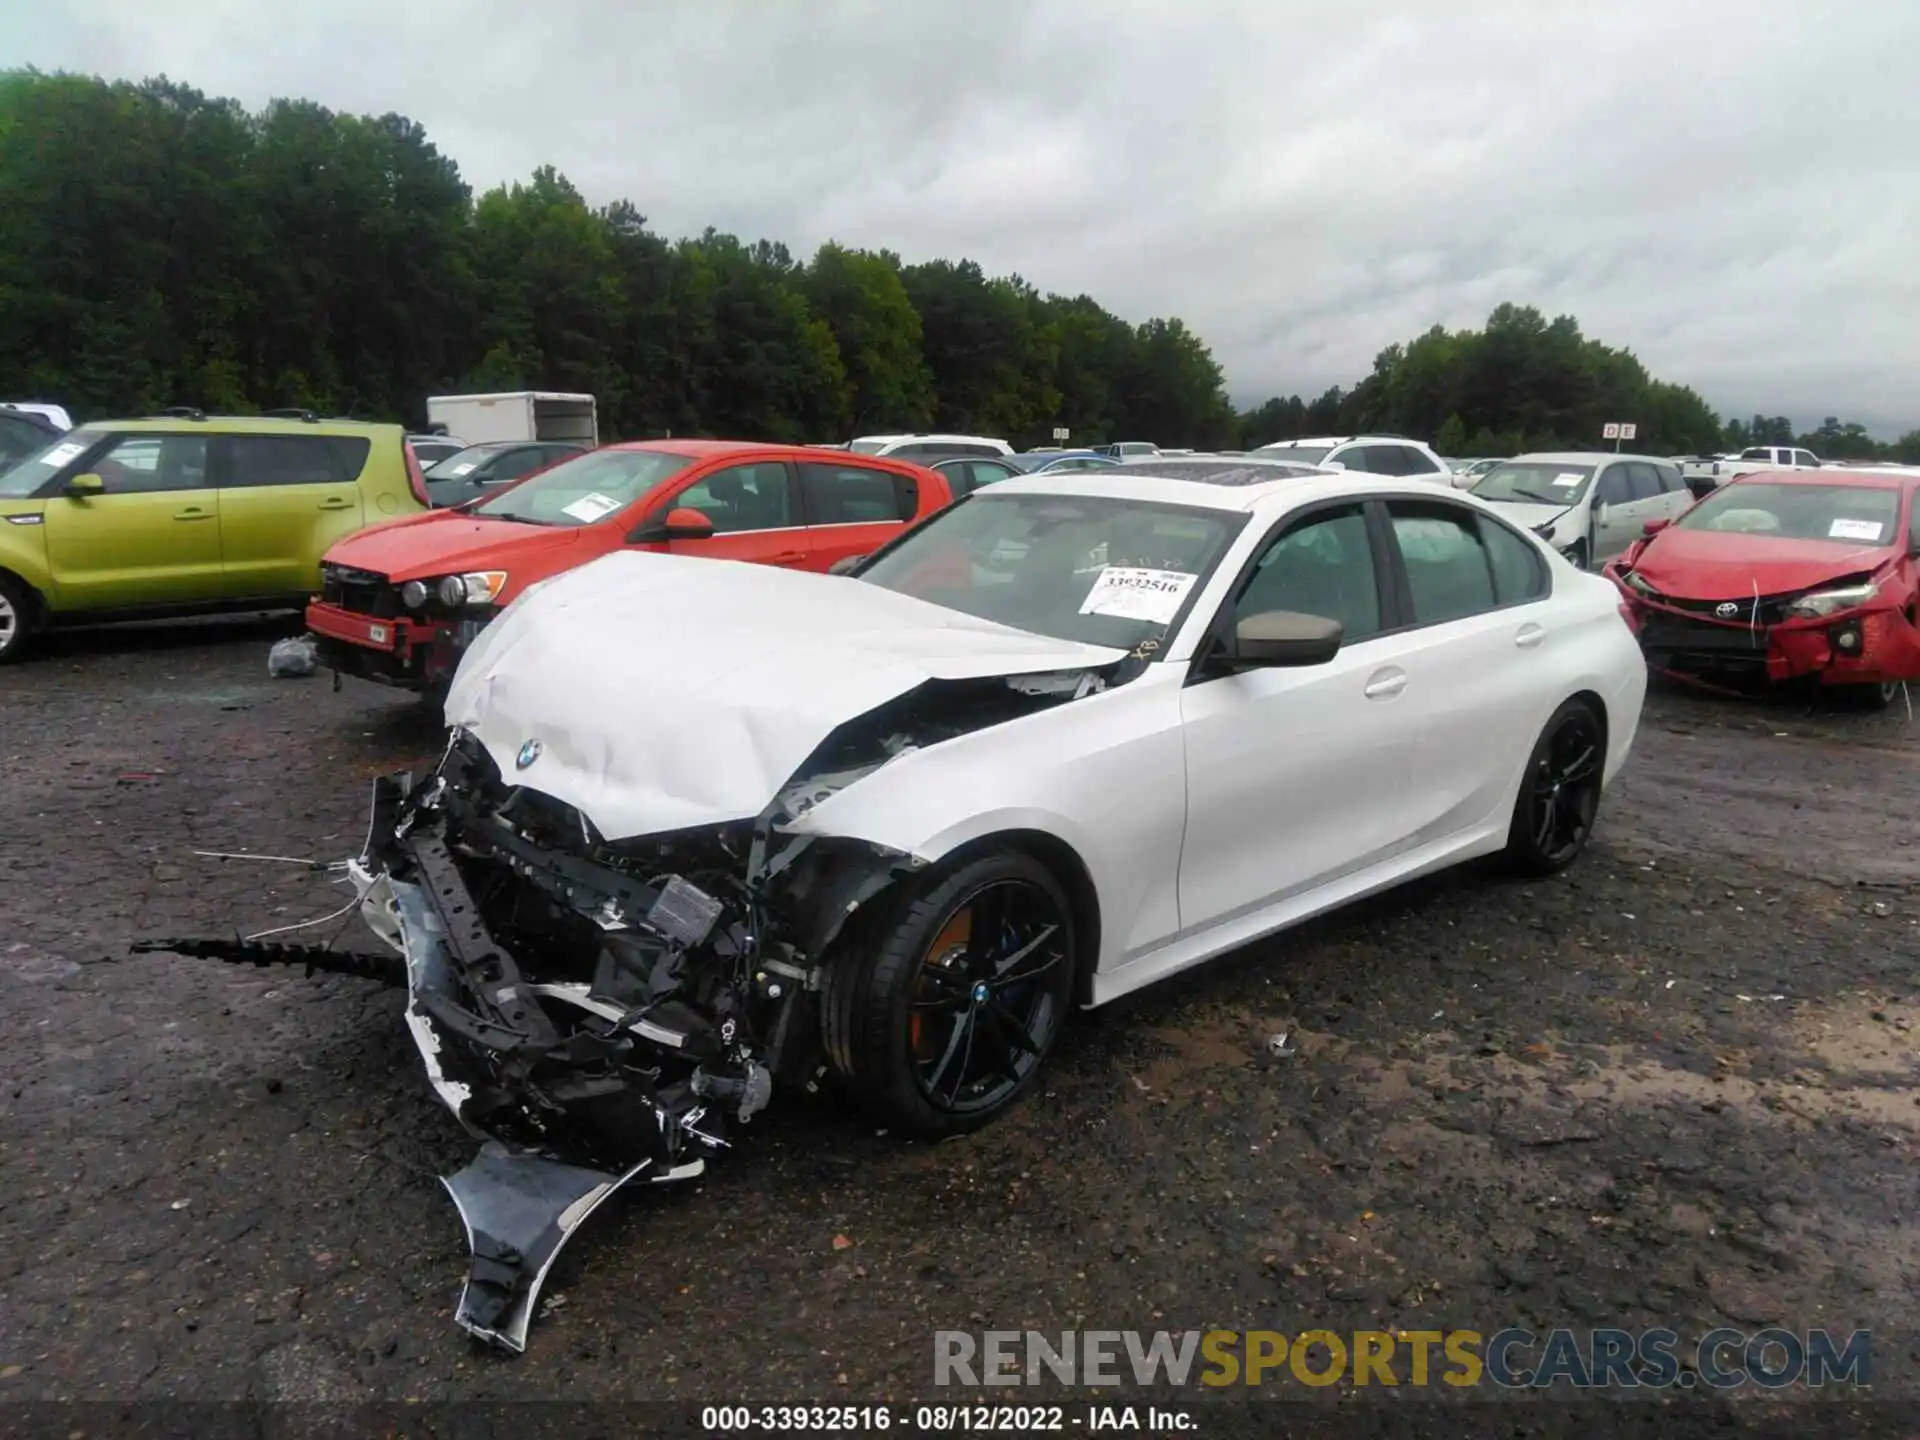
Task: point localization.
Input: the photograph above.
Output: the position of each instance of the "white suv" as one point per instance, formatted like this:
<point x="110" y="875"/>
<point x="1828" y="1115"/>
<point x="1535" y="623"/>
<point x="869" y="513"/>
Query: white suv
<point x="1374" y="454"/>
<point x="922" y="448"/>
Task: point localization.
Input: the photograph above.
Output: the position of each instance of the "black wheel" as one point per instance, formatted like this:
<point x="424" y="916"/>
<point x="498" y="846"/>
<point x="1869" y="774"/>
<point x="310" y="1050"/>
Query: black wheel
<point x="1868" y="697"/>
<point x="16" y="619"/>
<point x="940" y="1011"/>
<point x="1580" y="555"/>
<point x="1560" y="793"/>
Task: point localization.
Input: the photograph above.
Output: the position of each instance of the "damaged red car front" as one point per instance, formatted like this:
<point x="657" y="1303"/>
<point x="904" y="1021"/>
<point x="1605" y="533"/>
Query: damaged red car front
<point x="1808" y="577"/>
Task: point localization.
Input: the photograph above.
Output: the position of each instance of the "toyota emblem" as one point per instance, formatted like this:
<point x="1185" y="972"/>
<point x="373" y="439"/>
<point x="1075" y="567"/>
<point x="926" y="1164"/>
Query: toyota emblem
<point x="1726" y="610"/>
<point x="529" y="753"/>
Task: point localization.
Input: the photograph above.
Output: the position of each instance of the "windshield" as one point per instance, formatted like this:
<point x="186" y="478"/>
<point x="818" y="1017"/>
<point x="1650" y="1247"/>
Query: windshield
<point x="579" y="492"/>
<point x="1300" y="454"/>
<point x="39" y="466"/>
<point x="1845" y="514"/>
<point x="1535" y="482"/>
<point x="462" y="463"/>
<point x="1093" y="569"/>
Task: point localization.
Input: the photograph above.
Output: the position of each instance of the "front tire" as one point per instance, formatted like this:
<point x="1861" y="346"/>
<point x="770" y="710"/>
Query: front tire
<point x="1559" y="793"/>
<point x="1868" y="697"/>
<point x="940" y="1012"/>
<point x="16" y="619"/>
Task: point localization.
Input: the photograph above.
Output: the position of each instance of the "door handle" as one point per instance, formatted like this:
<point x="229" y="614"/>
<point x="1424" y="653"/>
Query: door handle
<point x="1385" y="684"/>
<point x="336" y="504"/>
<point x="193" y="512"/>
<point x="1529" y="635"/>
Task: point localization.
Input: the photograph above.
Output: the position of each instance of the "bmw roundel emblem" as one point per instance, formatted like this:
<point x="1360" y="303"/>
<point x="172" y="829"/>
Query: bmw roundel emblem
<point x="529" y="753"/>
<point x="1726" y="610"/>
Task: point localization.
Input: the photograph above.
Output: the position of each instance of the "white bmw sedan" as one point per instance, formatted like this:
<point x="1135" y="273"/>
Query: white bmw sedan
<point x="704" y="828"/>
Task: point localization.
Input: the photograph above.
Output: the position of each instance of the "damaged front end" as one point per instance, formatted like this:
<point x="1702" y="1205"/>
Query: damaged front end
<point x="597" y="1013"/>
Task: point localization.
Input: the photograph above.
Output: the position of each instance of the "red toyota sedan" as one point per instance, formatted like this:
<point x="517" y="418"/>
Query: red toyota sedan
<point x="399" y="603"/>
<point x="1806" y="576"/>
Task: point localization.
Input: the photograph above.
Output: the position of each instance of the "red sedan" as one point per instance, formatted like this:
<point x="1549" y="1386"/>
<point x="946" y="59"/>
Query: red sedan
<point x="1806" y="576"/>
<point x="401" y="602"/>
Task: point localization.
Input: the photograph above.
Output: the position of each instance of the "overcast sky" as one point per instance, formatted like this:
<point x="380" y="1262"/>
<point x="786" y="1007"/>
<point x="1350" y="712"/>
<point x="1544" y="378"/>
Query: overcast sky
<point x="1730" y="188"/>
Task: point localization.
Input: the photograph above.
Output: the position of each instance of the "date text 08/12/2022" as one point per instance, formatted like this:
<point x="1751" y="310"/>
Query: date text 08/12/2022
<point x="944" y="1419"/>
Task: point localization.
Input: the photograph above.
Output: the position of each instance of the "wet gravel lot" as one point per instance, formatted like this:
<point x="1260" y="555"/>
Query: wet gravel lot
<point x="1675" y="1086"/>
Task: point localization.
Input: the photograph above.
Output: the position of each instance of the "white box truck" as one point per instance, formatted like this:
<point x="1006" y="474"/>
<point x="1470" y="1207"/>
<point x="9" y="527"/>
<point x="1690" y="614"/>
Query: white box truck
<point x="517" y="415"/>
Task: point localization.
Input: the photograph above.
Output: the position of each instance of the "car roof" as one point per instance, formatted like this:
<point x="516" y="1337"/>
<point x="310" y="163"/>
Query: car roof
<point x="921" y="435"/>
<point x="708" y="449"/>
<point x="1246" y="490"/>
<point x="247" y="425"/>
<point x="1581" y="457"/>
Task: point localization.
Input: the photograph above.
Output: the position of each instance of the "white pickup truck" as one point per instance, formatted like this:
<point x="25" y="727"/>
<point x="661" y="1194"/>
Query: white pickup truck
<point x="1755" y="457"/>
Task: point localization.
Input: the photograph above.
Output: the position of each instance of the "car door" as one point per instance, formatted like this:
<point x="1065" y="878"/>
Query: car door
<point x="756" y="515"/>
<point x="1296" y="776"/>
<point x="1473" y="592"/>
<point x="853" y="509"/>
<point x="1613" y="526"/>
<point x="284" y="501"/>
<point x="150" y="536"/>
<point x="1675" y="498"/>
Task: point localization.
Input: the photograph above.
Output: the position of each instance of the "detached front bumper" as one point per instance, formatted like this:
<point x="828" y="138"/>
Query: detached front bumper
<point x="406" y="653"/>
<point x="1870" y="646"/>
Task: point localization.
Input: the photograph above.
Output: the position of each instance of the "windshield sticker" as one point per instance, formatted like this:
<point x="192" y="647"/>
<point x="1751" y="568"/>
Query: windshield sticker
<point x="62" y="455"/>
<point x="1567" y="479"/>
<point x="1855" y="530"/>
<point x="463" y="469"/>
<point x="1129" y="593"/>
<point x="589" y="508"/>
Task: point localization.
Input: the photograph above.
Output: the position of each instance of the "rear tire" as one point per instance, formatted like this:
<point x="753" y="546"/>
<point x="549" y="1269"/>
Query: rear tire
<point x="941" y="1010"/>
<point x="1559" y="793"/>
<point x="17" y="615"/>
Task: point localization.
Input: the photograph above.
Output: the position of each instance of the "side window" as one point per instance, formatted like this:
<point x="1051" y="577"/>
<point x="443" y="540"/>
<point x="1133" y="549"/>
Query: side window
<point x="1805" y="457"/>
<point x="257" y="460"/>
<point x="1671" y="480"/>
<point x="1613" y="487"/>
<point x="851" y="495"/>
<point x="742" y="497"/>
<point x="985" y="472"/>
<point x="1519" y="574"/>
<point x="1415" y="462"/>
<point x="1323" y="566"/>
<point x="1370" y="458"/>
<point x="1449" y="574"/>
<point x="142" y="463"/>
<point x="922" y="453"/>
<point x="1644" y="482"/>
<point x="1759" y="452"/>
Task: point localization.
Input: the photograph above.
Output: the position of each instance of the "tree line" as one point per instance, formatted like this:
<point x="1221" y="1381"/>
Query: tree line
<point x="164" y="247"/>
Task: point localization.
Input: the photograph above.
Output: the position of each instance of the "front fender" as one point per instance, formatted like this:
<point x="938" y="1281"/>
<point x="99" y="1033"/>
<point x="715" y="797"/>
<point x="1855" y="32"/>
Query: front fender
<point x="23" y="543"/>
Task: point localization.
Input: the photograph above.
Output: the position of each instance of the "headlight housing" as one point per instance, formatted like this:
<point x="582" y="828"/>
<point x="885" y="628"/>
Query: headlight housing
<point x="413" y="594"/>
<point x="1821" y="603"/>
<point x="477" y="587"/>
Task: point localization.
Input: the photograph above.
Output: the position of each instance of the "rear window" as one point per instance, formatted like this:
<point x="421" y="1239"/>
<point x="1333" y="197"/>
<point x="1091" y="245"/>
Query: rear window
<point x="855" y="495"/>
<point x="1843" y="514"/>
<point x="254" y="460"/>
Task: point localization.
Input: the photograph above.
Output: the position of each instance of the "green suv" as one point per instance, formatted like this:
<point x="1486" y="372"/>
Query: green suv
<point x="124" y="519"/>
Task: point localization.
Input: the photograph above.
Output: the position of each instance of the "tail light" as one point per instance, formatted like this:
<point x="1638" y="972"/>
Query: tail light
<point x="416" y="481"/>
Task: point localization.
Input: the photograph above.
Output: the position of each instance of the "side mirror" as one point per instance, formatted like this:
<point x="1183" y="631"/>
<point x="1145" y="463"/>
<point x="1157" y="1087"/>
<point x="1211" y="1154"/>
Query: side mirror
<point x="1654" y="527"/>
<point x="680" y="523"/>
<point x="1283" y="638"/>
<point x="1600" y="509"/>
<point x="81" y="486"/>
<point x="845" y="565"/>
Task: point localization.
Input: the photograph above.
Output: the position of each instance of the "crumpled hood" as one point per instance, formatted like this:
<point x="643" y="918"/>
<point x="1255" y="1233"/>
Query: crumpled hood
<point x="441" y="542"/>
<point x="665" y="692"/>
<point x="1721" y="565"/>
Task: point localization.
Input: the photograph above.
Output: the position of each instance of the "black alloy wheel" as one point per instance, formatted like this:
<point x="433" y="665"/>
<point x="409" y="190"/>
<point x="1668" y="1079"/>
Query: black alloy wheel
<point x="942" y="1013"/>
<point x="1560" y="792"/>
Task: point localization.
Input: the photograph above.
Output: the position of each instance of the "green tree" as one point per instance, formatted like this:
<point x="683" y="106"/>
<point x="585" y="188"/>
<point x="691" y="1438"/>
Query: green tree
<point x="863" y="301"/>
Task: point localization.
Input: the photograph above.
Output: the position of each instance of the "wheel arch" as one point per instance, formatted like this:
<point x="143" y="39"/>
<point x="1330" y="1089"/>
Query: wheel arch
<point x="1064" y="863"/>
<point x="38" y="610"/>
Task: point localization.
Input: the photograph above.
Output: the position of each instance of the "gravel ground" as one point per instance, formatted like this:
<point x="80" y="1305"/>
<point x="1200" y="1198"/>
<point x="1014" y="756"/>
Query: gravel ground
<point x="1675" y="1086"/>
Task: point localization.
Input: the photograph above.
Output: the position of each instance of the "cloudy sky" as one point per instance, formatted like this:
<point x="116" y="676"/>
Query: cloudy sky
<point x="1731" y="188"/>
